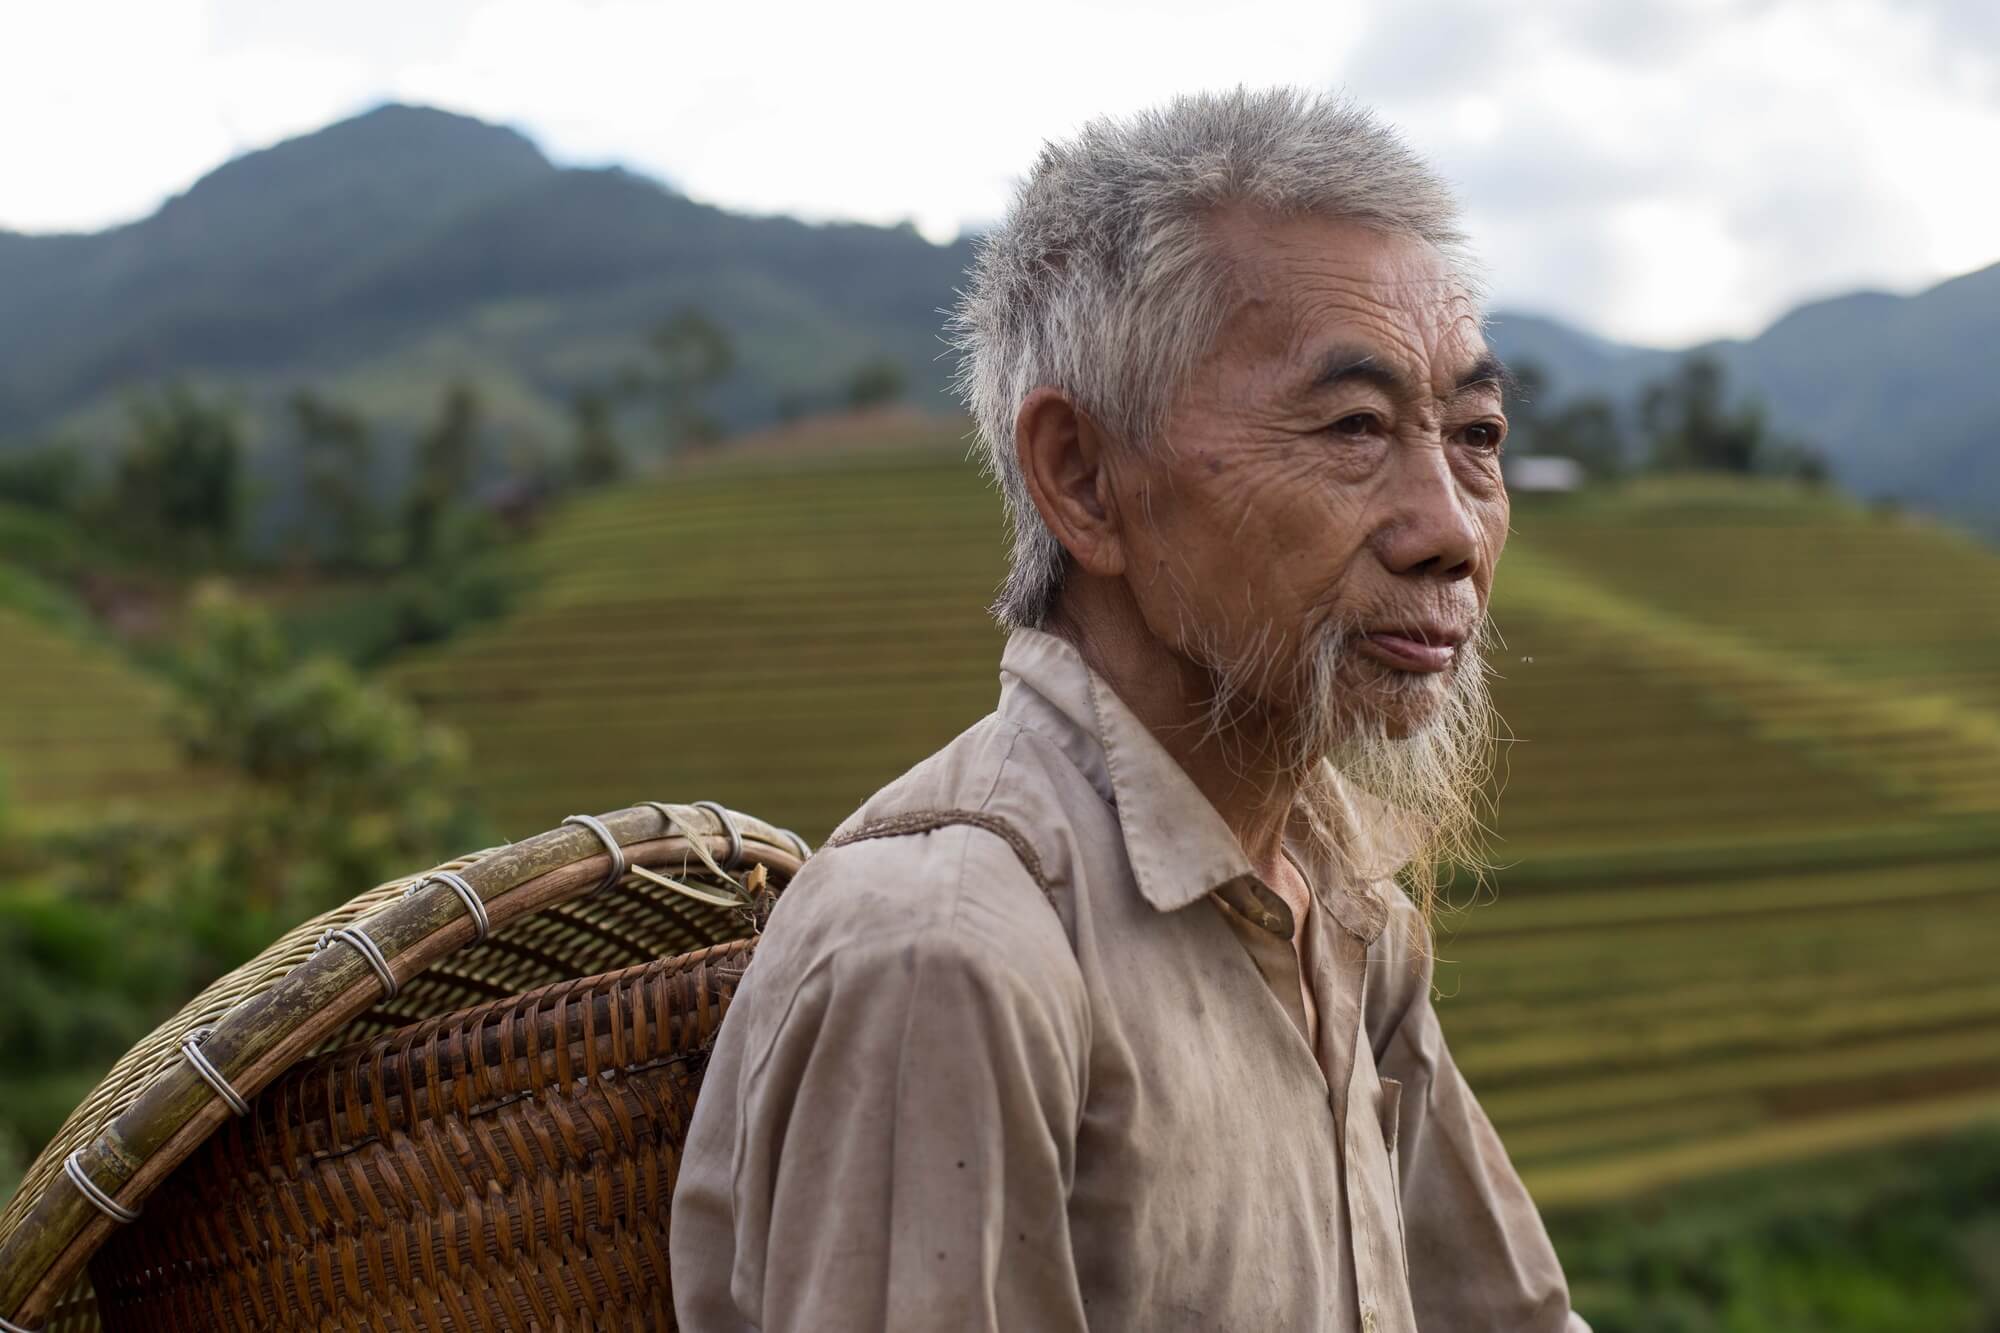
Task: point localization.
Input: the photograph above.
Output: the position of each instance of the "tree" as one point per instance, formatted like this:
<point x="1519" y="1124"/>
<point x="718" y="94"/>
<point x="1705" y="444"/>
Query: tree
<point x="1690" y="425"/>
<point x="1585" y="429"/>
<point x="692" y="354"/>
<point x="327" y="786"/>
<point x="335" y="783"/>
<point x="876" y="382"/>
<point x="336" y="452"/>
<point x="49" y="478"/>
<point x="445" y="456"/>
<point x="598" y="457"/>
<point x="1799" y="461"/>
<point x="180" y="480"/>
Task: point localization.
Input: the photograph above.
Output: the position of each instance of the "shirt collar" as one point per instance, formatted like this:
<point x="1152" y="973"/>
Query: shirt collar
<point x="1178" y="844"/>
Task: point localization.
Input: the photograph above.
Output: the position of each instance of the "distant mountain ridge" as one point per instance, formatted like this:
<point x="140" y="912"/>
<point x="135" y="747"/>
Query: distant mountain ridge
<point x="384" y="253"/>
<point x="221" y="275"/>
<point x="410" y="243"/>
<point x="1901" y="393"/>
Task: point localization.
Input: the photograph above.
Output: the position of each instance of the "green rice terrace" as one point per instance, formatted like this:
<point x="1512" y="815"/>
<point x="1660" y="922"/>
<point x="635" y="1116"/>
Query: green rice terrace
<point x="1750" y="827"/>
<point x="82" y="732"/>
<point x="1749" y="831"/>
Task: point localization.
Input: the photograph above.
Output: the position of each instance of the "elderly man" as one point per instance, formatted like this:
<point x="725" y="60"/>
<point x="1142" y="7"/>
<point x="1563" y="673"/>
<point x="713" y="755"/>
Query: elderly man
<point x="1112" y="1014"/>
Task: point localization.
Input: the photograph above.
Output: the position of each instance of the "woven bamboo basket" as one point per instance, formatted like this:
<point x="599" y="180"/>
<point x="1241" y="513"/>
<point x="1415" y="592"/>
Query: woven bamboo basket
<point x="452" y="1104"/>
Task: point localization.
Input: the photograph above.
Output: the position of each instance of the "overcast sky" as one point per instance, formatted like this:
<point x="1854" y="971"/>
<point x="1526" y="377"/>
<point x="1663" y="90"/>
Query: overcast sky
<point x="1657" y="171"/>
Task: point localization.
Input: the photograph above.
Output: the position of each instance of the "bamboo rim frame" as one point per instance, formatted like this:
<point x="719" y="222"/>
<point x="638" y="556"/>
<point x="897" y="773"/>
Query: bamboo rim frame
<point x="155" y="1107"/>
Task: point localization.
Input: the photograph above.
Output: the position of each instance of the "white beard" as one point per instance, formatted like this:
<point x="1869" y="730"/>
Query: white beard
<point x="1375" y="803"/>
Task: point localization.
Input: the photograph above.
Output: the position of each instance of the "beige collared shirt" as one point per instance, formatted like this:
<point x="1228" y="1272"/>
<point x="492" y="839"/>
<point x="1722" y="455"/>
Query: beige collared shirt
<point x="943" y="1101"/>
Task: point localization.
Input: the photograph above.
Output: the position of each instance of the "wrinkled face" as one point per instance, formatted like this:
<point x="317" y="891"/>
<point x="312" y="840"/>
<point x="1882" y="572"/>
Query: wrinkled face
<point x="1328" y="508"/>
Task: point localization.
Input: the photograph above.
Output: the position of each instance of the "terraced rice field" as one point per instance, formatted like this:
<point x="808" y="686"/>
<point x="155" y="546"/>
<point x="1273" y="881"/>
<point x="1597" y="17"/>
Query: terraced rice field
<point x="1751" y="817"/>
<point x="81" y="731"/>
<point x="1888" y="598"/>
<point x="777" y="638"/>
<point x="1628" y="1033"/>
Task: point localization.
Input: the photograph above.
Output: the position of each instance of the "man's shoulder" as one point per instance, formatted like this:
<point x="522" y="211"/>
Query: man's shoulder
<point x="952" y="856"/>
<point x="1401" y="963"/>
<point x="964" y="772"/>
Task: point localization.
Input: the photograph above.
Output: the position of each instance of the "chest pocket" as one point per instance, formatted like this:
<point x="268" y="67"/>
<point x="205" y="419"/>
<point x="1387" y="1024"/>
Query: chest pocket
<point x="1388" y="1111"/>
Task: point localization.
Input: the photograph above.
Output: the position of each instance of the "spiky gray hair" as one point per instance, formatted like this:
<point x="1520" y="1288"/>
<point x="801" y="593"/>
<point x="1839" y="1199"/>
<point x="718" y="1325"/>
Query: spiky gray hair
<point x="1102" y="281"/>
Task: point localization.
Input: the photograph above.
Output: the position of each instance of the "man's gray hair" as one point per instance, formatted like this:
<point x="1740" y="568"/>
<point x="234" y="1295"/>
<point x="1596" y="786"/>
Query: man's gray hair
<point x="1102" y="281"/>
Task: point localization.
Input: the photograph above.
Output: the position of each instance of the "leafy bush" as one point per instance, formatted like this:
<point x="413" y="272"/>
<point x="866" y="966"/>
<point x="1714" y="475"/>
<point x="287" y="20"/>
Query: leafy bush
<point x="1887" y="1241"/>
<point x="49" y="479"/>
<point x="332" y="785"/>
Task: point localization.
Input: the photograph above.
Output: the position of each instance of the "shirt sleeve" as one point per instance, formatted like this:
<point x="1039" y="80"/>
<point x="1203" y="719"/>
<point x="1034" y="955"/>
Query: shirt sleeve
<point x="1479" y="1255"/>
<point x="904" y="1138"/>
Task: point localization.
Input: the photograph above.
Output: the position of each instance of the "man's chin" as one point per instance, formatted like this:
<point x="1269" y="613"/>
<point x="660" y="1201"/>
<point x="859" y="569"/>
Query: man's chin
<point x="1394" y="704"/>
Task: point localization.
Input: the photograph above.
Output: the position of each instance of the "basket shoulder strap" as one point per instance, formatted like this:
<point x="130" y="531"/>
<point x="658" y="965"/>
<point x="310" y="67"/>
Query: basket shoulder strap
<point x="923" y="821"/>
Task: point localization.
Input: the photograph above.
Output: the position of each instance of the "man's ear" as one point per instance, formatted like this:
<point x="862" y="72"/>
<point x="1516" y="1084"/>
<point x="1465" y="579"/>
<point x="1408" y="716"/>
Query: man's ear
<point x="1065" y="463"/>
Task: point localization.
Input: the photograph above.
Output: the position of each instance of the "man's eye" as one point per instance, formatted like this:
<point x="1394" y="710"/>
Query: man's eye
<point x="1483" y="436"/>
<point x="1357" y="423"/>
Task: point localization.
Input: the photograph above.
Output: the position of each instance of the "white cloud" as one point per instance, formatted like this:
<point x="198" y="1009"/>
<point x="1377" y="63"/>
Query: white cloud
<point x="1659" y="170"/>
<point x="1667" y="172"/>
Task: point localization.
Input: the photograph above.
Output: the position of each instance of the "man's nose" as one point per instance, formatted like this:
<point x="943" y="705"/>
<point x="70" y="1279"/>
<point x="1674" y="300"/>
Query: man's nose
<point x="1429" y="531"/>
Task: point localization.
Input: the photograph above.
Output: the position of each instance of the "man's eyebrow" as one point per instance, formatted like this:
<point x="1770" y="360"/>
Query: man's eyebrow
<point x="1489" y="369"/>
<point x="1341" y="364"/>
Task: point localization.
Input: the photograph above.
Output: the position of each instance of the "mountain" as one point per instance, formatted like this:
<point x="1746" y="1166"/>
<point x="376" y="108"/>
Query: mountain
<point x="383" y="255"/>
<point x="242" y="270"/>
<point x="1901" y="393"/>
<point x="1571" y="360"/>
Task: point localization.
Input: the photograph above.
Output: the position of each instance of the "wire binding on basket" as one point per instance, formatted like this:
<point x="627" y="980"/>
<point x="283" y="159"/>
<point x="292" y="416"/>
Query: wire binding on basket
<point x="357" y="938"/>
<point x="729" y="826"/>
<point x="475" y="906"/>
<point x="805" y="848"/>
<point x="191" y="1048"/>
<point x="104" y="1203"/>
<point x="46" y="1241"/>
<point x="596" y="825"/>
<point x="8" y="1326"/>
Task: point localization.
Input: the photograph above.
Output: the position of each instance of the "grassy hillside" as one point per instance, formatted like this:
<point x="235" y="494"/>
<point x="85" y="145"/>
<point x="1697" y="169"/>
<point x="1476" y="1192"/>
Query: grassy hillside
<point x="1751" y="839"/>
<point x="82" y="731"/>
<point x="777" y="635"/>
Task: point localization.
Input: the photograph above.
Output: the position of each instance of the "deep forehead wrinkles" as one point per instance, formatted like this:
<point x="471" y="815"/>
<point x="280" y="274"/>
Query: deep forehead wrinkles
<point x="1320" y="294"/>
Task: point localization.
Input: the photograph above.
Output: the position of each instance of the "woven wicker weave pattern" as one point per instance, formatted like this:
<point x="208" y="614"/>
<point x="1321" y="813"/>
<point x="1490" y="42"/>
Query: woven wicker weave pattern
<point x="508" y="1166"/>
<point x="556" y="913"/>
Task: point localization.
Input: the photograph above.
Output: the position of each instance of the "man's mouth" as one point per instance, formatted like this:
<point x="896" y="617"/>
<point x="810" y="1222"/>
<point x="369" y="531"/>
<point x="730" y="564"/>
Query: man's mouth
<point x="1414" y="647"/>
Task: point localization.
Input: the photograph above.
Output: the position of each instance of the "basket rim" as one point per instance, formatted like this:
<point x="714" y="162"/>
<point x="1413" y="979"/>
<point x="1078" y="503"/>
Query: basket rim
<point x="160" y="1122"/>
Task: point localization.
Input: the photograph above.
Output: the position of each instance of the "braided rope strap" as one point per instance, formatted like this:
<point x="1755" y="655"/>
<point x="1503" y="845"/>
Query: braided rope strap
<point x="191" y="1048"/>
<point x="596" y="825"/>
<point x="91" y="1190"/>
<point x="925" y="821"/>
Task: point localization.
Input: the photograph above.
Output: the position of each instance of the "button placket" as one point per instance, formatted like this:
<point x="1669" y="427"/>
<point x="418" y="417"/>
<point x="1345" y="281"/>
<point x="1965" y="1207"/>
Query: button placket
<point x="1391" y="1121"/>
<point x="1379" y="1284"/>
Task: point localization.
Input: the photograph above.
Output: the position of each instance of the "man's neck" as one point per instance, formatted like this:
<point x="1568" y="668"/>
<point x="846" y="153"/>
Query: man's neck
<point x="1169" y="692"/>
